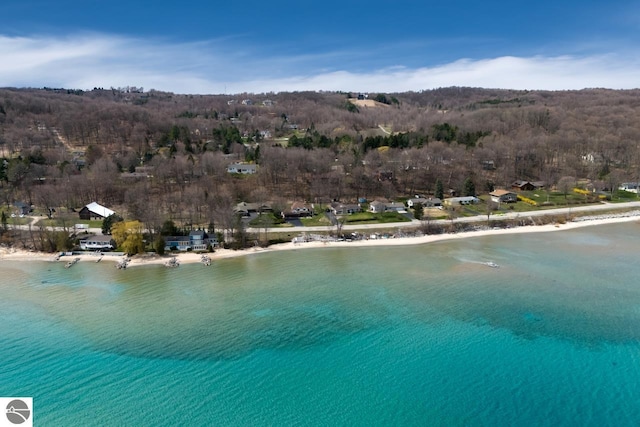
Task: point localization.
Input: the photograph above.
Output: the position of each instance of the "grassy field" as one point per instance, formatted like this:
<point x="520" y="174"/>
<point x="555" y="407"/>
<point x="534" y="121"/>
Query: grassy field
<point x="268" y="219"/>
<point x="375" y="218"/>
<point x="69" y="221"/>
<point x="545" y="200"/>
<point x="316" y="221"/>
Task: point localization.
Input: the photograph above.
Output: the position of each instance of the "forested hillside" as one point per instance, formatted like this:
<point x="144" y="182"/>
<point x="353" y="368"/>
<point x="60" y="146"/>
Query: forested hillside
<point x="156" y="156"/>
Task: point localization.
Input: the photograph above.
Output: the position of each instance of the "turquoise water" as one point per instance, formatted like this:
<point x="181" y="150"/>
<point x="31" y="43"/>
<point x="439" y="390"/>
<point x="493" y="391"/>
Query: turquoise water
<point x="416" y="335"/>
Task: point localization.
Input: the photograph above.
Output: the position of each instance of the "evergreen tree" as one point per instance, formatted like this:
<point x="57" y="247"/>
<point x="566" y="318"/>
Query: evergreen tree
<point x="418" y="211"/>
<point x="439" y="193"/>
<point x="108" y="222"/>
<point x="468" y="188"/>
<point x="158" y="245"/>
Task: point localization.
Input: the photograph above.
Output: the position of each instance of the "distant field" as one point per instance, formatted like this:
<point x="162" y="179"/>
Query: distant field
<point x="367" y="103"/>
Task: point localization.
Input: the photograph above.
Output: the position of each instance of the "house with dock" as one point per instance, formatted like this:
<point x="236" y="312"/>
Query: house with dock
<point x="197" y="240"/>
<point x="97" y="243"/>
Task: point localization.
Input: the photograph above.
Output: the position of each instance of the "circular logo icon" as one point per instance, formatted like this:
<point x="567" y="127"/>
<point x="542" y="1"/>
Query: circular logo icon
<point x="18" y="411"/>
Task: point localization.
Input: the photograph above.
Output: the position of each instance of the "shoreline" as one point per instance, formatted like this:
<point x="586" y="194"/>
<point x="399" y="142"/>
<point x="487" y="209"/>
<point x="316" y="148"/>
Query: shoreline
<point x="9" y="254"/>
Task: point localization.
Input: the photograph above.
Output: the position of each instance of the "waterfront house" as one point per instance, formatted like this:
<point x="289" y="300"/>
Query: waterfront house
<point x="197" y="240"/>
<point x="97" y="243"/>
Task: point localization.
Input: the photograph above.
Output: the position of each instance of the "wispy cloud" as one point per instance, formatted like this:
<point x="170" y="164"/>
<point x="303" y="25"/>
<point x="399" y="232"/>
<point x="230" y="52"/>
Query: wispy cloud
<point x="95" y="60"/>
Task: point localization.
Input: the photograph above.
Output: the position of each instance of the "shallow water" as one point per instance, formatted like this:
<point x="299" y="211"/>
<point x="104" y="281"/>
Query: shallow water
<point x="416" y="335"/>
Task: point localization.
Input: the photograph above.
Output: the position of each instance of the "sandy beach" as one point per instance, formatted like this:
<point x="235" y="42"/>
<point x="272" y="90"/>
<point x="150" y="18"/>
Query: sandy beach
<point x="11" y="254"/>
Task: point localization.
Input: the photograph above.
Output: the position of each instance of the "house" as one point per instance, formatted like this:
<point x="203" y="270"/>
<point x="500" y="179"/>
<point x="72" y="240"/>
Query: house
<point x="345" y="209"/>
<point x="244" y="208"/>
<point x="22" y="208"/>
<point x="95" y="211"/>
<point x="197" y="240"/>
<point x="459" y="201"/>
<point x="631" y="187"/>
<point x="382" y="205"/>
<point x="242" y="168"/>
<point x="523" y="186"/>
<point x="488" y="165"/>
<point x="97" y="243"/>
<point x="416" y="200"/>
<point x="503" y="196"/>
<point x="431" y="202"/>
<point x="298" y="210"/>
<point x="376" y="206"/>
<point x="177" y="243"/>
<point x="395" y="207"/>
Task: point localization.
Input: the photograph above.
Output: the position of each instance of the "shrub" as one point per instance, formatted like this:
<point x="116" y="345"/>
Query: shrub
<point x="527" y="200"/>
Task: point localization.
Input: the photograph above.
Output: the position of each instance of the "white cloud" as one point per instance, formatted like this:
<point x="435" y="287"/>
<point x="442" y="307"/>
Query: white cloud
<point x="90" y="60"/>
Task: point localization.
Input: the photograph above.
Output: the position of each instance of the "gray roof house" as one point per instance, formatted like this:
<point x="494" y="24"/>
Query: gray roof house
<point x="345" y="209"/>
<point x="457" y="201"/>
<point x="503" y="196"/>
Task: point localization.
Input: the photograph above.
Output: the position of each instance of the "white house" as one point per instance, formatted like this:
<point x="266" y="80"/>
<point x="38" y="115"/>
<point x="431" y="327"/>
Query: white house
<point x="631" y="187"/>
<point x="430" y="202"/>
<point x="242" y="168"/>
<point x="97" y="243"/>
<point x="457" y="201"/>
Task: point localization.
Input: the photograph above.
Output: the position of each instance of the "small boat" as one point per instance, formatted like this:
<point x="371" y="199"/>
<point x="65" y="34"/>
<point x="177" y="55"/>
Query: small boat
<point x="492" y="264"/>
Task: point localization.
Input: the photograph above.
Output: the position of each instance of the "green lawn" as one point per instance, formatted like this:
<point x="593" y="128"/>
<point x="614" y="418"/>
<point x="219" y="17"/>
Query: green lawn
<point x="375" y="218"/>
<point x="269" y="220"/>
<point x="621" y="196"/>
<point x="17" y="220"/>
<point x="69" y="221"/>
<point x="545" y="199"/>
<point x="316" y="221"/>
<point x="558" y="199"/>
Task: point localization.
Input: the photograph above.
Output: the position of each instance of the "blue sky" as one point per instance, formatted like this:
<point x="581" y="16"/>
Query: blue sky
<point x="210" y="47"/>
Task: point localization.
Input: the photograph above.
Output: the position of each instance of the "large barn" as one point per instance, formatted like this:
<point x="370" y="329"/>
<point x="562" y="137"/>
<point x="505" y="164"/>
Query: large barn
<point x="95" y="211"/>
